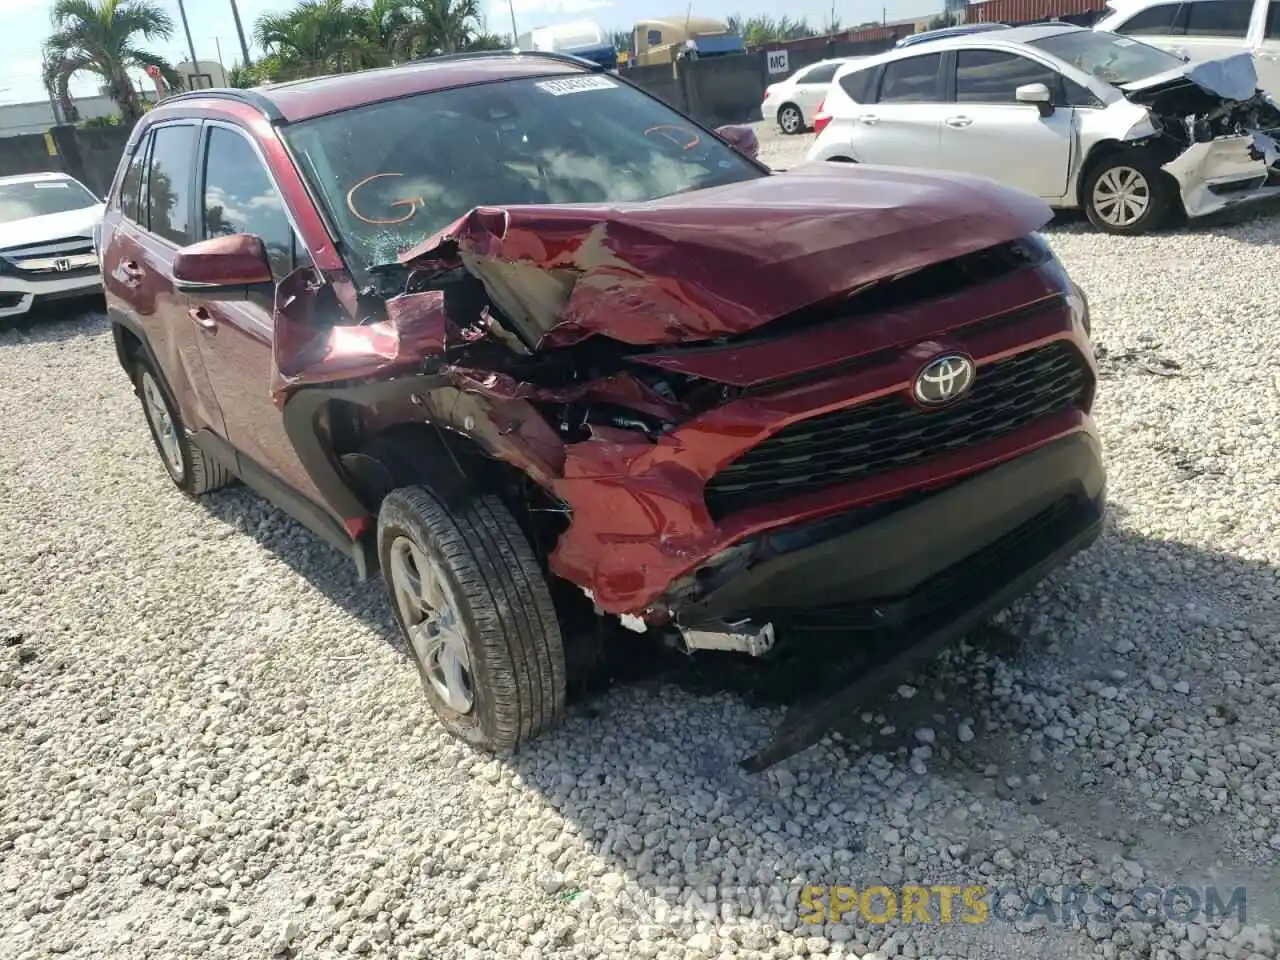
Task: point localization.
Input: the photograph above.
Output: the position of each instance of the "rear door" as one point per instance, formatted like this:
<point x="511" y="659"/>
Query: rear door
<point x="154" y="217"/>
<point x="811" y="88"/>
<point x="902" y="127"/>
<point x="989" y="133"/>
<point x="237" y="194"/>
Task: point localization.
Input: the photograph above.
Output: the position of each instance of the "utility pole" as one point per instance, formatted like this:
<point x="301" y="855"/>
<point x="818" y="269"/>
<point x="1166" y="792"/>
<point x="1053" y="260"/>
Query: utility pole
<point x="191" y="47"/>
<point x="515" y="33"/>
<point x="244" y="45"/>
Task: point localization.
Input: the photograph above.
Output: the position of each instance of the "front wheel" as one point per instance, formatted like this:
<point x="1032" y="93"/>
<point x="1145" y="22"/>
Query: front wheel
<point x="790" y="119"/>
<point x="477" y="616"/>
<point x="1128" y="194"/>
<point x="191" y="470"/>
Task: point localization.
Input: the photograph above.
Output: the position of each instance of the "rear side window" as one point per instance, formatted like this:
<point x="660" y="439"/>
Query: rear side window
<point x="1161" y="19"/>
<point x="173" y="155"/>
<point x="240" y="197"/>
<point x="824" y="73"/>
<point x="131" y="186"/>
<point x="1219" y="18"/>
<point x="989" y="76"/>
<point x="858" y="84"/>
<point x="1273" y="21"/>
<point x="913" y="80"/>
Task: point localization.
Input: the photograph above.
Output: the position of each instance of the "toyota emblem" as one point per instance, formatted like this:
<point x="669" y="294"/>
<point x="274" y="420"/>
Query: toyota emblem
<point x="944" y="380"/>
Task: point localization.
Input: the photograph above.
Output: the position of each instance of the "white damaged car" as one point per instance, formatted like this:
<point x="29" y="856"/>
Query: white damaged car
<point x="47" y="225"/>
<point x="1081" y="118"/>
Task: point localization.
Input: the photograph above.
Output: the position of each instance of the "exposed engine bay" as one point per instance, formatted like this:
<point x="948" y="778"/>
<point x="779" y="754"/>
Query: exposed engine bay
<point x="1219" y="135"/>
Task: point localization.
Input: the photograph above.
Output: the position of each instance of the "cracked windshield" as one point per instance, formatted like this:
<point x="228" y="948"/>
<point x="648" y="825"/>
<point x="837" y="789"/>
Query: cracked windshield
<point x="551" y="140"/>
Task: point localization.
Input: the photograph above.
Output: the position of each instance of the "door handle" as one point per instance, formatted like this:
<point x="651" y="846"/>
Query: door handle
<point x="202" y="318"/>
<point x="958" y="121"/>
<point x="131" y="271"/>
<point x="870" y="119"/>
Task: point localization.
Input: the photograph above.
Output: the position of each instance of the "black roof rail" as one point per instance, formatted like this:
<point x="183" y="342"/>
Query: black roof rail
<point x="250" y="97"/>
<point x="513" y="51"/>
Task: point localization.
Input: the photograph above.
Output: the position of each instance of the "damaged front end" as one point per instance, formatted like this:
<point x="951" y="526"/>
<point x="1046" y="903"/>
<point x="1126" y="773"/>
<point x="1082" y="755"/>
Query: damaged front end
<point x="1218" y="131"/>
<point x="712" y="396"/>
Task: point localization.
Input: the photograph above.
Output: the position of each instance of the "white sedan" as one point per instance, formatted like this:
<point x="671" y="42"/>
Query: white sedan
<point x="1081" y="118"/>
<point x="47" y="223"/>
<point x="794" y="101"/>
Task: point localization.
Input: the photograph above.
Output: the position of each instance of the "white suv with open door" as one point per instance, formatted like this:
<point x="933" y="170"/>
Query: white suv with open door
<point x="1205" y="30"/>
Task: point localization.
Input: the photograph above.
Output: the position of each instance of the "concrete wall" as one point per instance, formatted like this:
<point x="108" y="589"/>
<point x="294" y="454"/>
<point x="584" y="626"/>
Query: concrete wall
<point x="90" y="156"/>
<point x="715" y="90"/>
<point x="37" y="116"/>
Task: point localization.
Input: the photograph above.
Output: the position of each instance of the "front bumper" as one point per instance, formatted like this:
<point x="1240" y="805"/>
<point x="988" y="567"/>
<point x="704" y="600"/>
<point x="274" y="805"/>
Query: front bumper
<point x="941" y="611"/>
<point x="859" y="566"/>
<point x="18" y="295"/>
<point x="1222" y="173"/>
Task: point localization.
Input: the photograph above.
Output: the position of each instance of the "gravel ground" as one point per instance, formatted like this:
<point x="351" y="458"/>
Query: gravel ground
<point x="211" y="749"/>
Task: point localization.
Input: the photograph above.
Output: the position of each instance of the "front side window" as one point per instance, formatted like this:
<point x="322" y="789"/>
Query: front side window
<point x="391" y="174"/>
<point x="913" y="80"/>
<point x="168" y="200"/>
<point x="823" y="73"/>
<point x="1110" y="58"/>
<point x="240" y="197"/>
<point x="1160" y="20"/>
<point x="1219" y="18"/>
<point x="1273" y="21"/>
<point x="991" y="76"/>
<point x="40" y="198"/>
<point x="655" y="37"/>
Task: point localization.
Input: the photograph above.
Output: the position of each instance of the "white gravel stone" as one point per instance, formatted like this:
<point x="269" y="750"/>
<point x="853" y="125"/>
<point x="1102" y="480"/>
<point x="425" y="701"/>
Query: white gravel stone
<point x="211" y="750"/>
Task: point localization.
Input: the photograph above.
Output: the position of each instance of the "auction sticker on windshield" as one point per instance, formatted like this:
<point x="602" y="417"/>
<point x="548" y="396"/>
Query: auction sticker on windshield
<point x="558" y="88"/>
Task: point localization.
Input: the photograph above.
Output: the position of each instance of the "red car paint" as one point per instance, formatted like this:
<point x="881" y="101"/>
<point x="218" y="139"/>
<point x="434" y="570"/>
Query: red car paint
<point x="680" y="277"/>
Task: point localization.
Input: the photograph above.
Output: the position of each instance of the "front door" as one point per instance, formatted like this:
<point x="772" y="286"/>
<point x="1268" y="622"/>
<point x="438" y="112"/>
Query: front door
<point x="989" y="133"/>
<point x="238" y="195"/>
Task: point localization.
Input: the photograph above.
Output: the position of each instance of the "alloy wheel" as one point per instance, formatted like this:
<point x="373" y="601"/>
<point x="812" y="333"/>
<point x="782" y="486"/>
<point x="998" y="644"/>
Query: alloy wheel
<point x="790" y="120"/>
<point x="162" y="425"/>
<point x="1121" y="196"/>
<point x="436" y="635"/>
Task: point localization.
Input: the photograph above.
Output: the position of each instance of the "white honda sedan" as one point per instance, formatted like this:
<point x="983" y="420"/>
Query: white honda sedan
<point x="1081" y="118"/>
<point x="47" y="224"/>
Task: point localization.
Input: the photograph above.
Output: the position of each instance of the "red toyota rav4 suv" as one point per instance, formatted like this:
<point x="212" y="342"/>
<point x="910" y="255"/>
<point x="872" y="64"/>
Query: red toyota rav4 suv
<point x="522" y="337"/>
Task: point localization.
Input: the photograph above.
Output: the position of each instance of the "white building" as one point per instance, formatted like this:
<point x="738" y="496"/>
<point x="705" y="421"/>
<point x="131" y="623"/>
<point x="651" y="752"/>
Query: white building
<point x="37" y="115"/>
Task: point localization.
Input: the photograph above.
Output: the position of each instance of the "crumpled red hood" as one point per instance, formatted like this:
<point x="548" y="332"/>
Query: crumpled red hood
<point x="725" y="260"/>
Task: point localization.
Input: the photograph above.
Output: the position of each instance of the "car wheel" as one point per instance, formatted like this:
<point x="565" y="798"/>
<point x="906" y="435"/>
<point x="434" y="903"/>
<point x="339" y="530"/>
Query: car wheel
<point x="1128" y="193"/>
<point x="476" y="615"/>
<point x="187" y="465"/>
<point x="790" y="119"/>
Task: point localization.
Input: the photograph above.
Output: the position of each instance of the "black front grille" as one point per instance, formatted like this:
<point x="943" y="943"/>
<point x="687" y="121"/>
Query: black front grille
<point x="891" y="433"/>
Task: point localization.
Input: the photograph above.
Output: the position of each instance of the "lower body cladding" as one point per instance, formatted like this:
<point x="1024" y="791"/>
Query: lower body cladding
<point x="923" y="571"/>
<point x="19" y="294"/>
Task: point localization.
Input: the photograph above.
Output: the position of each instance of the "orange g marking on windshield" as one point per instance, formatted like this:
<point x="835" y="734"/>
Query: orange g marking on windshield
<point x="414" y="203"/>
<point x="663" y="130"/>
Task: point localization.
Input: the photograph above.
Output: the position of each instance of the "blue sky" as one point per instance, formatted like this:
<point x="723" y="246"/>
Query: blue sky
<point x="26" y="24"/>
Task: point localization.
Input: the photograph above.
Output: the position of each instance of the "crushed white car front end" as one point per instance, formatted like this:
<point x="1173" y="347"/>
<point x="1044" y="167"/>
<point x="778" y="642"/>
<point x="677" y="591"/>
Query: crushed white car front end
<point x="1219" y="128"/>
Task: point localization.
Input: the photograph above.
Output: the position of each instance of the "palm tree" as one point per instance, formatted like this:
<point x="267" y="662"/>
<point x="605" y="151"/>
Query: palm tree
<point x="53" y="71"/>
<point x="320" y="36"/>
<point x="102" y="37"/>
<point x="445" y="25"/>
